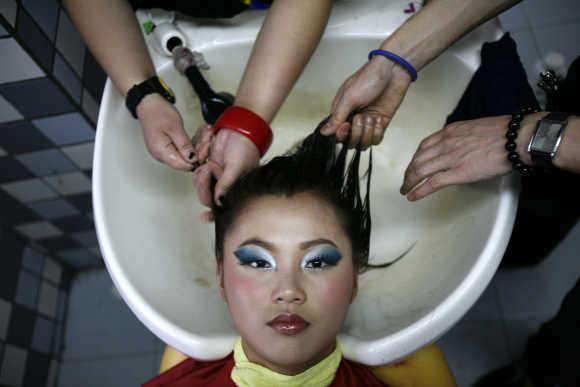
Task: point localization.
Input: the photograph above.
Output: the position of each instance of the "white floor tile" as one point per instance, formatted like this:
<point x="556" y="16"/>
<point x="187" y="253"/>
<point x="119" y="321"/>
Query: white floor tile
<point x="101" y="325"/>
<point x="473" y="348"/>
<point x="559" y="45"/>
<point x="81" y="155"/>
<point x="52" y="271"/>
<point x="542" y="12"/>
<point x="7" y="111"/>
<point x="518" y="331"/>
<point x="8" y="10"/>
<point x="48" y="299"/>
<point x="107" y="372"/>
<point x="38" y="230"/>
<point x="16" y="64"/>
<point x="29" y="190"/>
<point x="69" y="183"/>
<point x="90" y="106"/>
<point x="70" y="44"/>
<point x="486" y="307"/>
<point x="538" y="291"/>
<point x="13" y="366"/>
<point x="514" y="19"/>
<point x="529" y="55"/>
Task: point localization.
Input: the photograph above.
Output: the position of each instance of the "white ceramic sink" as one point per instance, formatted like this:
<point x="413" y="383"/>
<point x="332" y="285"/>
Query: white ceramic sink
<point x="160" y="254"/>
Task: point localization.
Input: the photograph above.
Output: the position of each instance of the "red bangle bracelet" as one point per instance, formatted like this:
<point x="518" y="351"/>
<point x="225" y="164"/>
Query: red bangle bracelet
<point x="248" y="123"/>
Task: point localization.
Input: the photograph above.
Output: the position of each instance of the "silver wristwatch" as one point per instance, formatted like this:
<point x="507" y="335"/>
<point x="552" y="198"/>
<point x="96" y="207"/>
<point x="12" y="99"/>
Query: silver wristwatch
<point x="546" y="140"/>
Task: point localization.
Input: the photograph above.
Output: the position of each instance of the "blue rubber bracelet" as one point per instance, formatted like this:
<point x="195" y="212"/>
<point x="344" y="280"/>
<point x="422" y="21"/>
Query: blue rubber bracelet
<point x="256" y="4"/>
<point x="396" y="58"/>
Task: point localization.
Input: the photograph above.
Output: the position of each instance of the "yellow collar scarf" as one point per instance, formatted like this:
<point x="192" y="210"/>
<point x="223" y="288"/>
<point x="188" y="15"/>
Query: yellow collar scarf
<point x="248" y="374"/>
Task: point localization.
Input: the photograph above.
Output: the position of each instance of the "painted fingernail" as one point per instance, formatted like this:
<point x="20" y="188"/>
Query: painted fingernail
<point x="191" y="154"/>
<point x="219" y="200"/>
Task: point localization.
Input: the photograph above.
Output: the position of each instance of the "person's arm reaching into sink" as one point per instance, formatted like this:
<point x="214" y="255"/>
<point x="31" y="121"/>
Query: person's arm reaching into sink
<point x="285" y="43"/>
<point x="111" y="31"/>
<point x="379" y="86"/>
<point x="474" y="150"/>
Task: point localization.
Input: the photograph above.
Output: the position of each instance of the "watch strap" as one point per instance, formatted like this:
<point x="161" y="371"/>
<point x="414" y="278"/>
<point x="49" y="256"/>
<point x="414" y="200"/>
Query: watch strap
<point x="149" y="86"/>
<point x="544" y="159"/>
<point x="557" y="116"/>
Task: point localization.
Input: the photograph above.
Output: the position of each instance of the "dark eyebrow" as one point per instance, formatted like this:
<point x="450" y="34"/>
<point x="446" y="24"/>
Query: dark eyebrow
<point x="258" y="242"/>
<point x="303" y="245"/>
<point x="314" y="242"/>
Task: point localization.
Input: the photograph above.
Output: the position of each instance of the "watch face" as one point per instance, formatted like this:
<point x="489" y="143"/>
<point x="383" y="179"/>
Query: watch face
<point x="546" y="137"/>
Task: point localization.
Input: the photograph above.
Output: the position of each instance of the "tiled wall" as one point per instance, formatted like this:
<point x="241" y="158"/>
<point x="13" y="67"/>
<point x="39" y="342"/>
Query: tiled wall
<point x="49" y="88"/>
<point x="33" y="298"/>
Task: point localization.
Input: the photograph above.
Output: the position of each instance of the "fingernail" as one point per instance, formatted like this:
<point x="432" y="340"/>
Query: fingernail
<point x="191" y="154"/>
<point x="194" y="166"/>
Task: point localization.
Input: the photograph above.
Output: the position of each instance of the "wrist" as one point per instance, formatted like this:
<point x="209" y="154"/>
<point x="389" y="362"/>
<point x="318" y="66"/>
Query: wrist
<point x="135" y="77"/>
<point x="147" y="102"/>
<point x="381" y="65"/>
<point x="247" y="123"/>
<point x="397" y="63"/>
<point x="138" y="92"/>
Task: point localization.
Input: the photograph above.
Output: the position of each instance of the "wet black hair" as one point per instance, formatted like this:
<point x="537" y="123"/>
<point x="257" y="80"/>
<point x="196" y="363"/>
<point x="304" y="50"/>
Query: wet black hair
<point x="317" y="165"/>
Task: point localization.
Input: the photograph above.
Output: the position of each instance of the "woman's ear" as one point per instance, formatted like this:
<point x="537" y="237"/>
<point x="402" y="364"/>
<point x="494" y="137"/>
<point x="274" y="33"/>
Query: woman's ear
<point x="219" y="271"/>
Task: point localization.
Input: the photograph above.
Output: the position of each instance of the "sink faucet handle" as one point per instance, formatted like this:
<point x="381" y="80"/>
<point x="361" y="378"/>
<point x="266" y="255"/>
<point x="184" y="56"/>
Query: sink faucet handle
<point x="184" y="58"/>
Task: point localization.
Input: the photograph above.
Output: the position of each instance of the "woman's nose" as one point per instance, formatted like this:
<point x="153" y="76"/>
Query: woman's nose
<point x="289" y="290"/>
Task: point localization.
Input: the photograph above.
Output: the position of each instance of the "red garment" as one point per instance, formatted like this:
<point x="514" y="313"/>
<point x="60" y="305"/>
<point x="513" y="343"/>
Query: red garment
<point x="216" y="373"/>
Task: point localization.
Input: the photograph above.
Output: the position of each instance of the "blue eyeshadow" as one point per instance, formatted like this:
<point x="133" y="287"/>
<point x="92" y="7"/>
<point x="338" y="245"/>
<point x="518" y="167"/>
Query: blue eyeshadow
<point x="330" y="254"/>
<point x="247" y="254"/>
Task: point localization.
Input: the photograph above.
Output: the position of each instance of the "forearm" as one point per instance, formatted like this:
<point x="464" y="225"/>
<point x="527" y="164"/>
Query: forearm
<point x="284" y="45"/>
<point x="568" y="156"/>
<point x="438" y="25"/>
<point x="111" y="31"/>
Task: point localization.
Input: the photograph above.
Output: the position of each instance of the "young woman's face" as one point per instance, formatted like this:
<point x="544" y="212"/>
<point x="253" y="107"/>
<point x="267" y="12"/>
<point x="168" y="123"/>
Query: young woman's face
<point x="288" y="279"/>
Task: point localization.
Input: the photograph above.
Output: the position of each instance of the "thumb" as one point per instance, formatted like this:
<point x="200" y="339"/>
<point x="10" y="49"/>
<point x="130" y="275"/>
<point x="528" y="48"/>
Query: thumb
<point x="228" y="177"/>
<point x="182" y="142"/>
<point x="339" y="115"/>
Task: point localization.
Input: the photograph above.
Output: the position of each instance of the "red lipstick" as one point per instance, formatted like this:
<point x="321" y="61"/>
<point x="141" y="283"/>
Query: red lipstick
<point x="288" y="324"/>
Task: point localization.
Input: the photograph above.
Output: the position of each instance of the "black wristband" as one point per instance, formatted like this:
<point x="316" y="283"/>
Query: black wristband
<point x="510" y="145"/>
<point x="149" y="86"/>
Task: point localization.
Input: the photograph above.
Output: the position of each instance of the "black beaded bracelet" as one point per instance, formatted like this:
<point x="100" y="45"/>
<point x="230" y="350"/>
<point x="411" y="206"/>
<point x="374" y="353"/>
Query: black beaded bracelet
<point x="510" y="145"/>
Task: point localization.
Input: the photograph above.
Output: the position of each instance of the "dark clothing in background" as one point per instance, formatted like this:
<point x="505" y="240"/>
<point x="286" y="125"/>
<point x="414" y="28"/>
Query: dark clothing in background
<point x="215" y="9"/>
<point x="499" y="86"/>
<point x="197" y="8"/>
<point x="552" y="355"/>
<point x="549" y="204"/>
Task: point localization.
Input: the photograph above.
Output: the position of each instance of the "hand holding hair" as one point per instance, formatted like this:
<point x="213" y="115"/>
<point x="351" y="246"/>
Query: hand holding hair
<point x="376" y="90"/>
<point x="226" y="157"/>
<point x="164" y="134"/>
